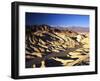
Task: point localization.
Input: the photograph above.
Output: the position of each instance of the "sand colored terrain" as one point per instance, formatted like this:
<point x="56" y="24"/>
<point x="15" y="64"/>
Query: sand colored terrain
<point x="81" y="53"/>
<point x="50" y="47"/>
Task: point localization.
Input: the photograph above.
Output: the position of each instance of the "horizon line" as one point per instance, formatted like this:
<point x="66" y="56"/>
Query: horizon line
<point x="59" y="25"/>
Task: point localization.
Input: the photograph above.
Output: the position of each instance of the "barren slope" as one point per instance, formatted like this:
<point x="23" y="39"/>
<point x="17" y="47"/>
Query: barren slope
<point x="51" y="47"/>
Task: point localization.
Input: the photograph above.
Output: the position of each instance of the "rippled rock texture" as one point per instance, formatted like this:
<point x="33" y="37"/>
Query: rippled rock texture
<point x="47" y="46"/>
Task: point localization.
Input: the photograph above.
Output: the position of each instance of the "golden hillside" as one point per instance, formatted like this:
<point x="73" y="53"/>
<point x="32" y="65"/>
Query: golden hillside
<point x="51" y="47"/>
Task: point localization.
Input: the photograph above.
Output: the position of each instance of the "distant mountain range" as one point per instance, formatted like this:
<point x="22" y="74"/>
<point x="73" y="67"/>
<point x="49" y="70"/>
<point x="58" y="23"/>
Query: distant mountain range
<point x="75" y="29"/>
<point x="70" y="28"/>
<point x="79" y="29"/>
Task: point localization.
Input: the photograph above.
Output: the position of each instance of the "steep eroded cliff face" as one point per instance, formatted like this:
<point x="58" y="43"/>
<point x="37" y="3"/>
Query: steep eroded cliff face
<point x="47" y="46"/>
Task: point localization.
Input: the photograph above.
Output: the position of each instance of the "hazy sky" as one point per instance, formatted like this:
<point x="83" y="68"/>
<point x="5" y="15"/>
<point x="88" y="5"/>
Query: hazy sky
<point x="57" y="19"/>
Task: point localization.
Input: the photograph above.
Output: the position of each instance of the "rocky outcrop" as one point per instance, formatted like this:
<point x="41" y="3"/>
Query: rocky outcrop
<point x="45" y="44"/>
